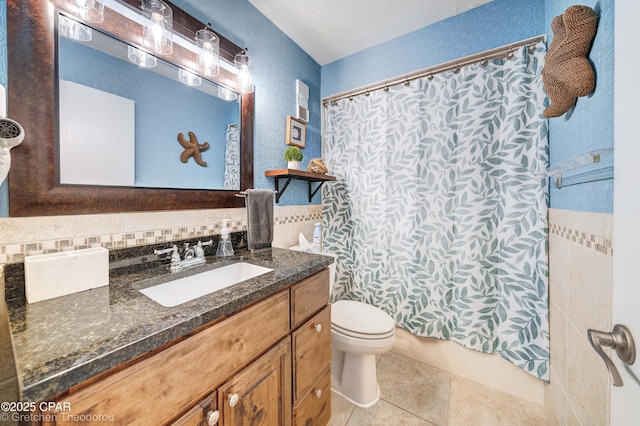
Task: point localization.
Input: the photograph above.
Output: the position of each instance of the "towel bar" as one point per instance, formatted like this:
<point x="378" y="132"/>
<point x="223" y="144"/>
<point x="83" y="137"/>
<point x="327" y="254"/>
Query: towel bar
<point x="242" y="194"/>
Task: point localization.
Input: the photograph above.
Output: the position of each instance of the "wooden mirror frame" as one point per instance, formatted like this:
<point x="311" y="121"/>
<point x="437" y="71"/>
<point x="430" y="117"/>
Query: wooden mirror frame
<point x="33" y="94"/>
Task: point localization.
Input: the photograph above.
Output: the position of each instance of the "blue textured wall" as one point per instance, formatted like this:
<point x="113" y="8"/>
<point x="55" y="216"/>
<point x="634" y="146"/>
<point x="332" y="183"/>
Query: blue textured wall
<point x="492" y="25"/>
<point x="278" y="62"/>
<point x="589" y="125"/>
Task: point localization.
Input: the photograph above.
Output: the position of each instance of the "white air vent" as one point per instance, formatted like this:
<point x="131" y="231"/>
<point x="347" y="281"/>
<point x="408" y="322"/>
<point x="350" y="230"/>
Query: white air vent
<point x="302" y="101"/>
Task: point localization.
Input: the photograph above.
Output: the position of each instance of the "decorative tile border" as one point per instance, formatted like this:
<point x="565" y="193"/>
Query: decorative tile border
<point x="285" y="220"/>
<point x="594" y="242"/>
<point x="15" y="253"/>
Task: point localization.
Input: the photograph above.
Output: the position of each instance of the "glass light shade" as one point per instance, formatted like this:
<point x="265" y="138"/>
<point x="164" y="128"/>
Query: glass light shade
<point x="189" y="78"/>
<point x="87" y="10"/>
<point x="226" y="94"/>
<point x="157" y="31"/>
<point x="208" y="48"/>
<point x="244" y="64"/>
<point x="74" y="30"/>
<point x="141" y="58"/>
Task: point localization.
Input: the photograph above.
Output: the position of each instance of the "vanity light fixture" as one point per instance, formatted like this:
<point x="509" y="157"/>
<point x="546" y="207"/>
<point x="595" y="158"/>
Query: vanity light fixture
<point x="208" y="51"/>
<point x="73" y="29"/>
<point x="189" y="78"/>
<point x="157" y="31"/>
<point x="141" y="58"/>
<point x="226" y="94"/>
<point x="244" y="64"/>
<point x="87" y="10"/>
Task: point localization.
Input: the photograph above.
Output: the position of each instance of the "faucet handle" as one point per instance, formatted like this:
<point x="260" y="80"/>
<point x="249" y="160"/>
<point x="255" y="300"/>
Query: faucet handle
<point x="163" y="251"/>
<point x="175" y="254"/>
<point x="200" y="249"/>
<point x="208" y="243"/>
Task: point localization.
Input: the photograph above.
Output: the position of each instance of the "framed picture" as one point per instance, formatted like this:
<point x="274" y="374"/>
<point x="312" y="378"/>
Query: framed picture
<point x="296" y="132"/>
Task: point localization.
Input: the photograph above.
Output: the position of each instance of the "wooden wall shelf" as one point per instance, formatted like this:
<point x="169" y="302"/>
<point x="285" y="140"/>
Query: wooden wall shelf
<point x="291" y="174"/>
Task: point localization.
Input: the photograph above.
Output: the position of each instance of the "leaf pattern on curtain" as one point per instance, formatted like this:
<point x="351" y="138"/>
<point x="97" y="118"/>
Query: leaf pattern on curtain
<point x="232" y="158"/>
<point x="438" y="214"/>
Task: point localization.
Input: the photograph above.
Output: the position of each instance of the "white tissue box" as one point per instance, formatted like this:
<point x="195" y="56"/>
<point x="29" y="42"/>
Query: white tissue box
<point x="311" y="248"/>
<point x="57" y="274"/>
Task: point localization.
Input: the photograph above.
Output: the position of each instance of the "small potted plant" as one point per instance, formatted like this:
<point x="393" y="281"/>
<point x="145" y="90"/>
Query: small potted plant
<point x="293" y="156"/>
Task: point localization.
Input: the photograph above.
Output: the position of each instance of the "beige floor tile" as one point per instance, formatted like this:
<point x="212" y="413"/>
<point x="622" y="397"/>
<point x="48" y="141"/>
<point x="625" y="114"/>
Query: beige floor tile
<point x="474" y="404"/>
<point x="341" y="410"/>
<point x="418" y="388"/>
<point x="384" y="413"/>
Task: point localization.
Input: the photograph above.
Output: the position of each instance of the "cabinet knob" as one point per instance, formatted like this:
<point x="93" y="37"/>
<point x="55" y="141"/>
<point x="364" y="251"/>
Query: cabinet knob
<point x="318" y="393"/>
<point x="233" y="399"/>
<point x="213" y="417"/>
<point x="318" y="327"/>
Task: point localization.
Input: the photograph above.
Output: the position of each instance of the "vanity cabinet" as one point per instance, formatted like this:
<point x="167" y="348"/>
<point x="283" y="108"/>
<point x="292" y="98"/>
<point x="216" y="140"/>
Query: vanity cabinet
<point x="311" y="347"/>
<point x="267" y="364"/>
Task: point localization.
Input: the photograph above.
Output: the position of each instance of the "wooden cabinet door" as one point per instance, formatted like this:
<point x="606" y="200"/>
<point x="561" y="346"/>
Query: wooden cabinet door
<point x="261" y="393"/>
<point x="315" y="408"/>
<point x="309" y="296"/>
<point x="311" y="352"/>
<point x="204" y="414"/>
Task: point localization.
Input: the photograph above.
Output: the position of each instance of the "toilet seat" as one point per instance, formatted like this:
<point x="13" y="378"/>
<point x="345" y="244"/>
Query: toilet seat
<point x="360" y="320"/>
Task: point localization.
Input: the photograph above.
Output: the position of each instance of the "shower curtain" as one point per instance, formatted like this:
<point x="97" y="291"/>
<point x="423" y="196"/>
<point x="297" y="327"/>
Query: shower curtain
<point x="232" y="158"/>
<point x="439" y="215"/>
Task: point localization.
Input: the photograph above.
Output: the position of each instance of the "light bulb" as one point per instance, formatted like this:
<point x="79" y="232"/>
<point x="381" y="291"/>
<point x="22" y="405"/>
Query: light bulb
<point x="208" y="46"/>
<point x="245" y="77"/>
<point x="87" y="10"/>
<point x="157" y="31"/>
<point x="244" y="65"/>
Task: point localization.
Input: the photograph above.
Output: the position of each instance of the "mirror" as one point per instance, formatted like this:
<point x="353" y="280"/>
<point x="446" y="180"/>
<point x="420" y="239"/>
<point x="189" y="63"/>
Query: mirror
<point x="34" y="188"/>
<point x="120" y="123"/>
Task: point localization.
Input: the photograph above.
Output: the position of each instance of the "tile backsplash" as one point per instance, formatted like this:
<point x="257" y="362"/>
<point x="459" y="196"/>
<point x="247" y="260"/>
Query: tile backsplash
<point x="20" y="237"/>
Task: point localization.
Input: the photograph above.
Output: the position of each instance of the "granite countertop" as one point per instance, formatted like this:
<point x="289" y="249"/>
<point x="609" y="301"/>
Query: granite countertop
<point x="61" y="342"/>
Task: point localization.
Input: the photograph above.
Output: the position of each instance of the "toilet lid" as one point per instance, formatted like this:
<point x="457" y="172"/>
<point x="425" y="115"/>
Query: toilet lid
<point x="358" y="319"/>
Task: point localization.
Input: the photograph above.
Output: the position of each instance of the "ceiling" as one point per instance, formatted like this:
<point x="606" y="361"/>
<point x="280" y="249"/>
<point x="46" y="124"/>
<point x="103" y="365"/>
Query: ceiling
<point x="329" y="30"/>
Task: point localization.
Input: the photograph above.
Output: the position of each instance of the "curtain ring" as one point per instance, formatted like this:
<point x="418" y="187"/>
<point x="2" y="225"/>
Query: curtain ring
<point x="484" y="62"/>
<point x="386" y="88"/>
<point x="430" y="77"/>
<point x="366" y="93"/>
<point x="511" y="55"/>
<point x="407" y="83"/>
<point x="456" y="70"/>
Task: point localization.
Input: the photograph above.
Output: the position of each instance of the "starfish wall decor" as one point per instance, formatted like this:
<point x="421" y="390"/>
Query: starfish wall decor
<point x="192" y="149"/>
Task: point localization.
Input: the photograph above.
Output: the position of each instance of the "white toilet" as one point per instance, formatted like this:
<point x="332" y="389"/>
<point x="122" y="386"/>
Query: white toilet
<point x="359" y="332"/>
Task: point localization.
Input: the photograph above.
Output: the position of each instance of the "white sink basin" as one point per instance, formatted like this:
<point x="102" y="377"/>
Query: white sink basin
<point x="185" y="289"/>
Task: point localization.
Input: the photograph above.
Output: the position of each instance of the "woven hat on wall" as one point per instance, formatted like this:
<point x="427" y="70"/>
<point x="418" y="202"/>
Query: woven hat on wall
<point x="567" y="73"/>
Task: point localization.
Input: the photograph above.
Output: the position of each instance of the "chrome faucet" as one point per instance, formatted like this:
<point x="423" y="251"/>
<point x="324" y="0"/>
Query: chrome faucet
<point x="193" y="256"/>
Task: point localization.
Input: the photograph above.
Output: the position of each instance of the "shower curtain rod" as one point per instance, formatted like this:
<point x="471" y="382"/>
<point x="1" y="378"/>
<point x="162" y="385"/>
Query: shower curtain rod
<point x="496" y="53"/>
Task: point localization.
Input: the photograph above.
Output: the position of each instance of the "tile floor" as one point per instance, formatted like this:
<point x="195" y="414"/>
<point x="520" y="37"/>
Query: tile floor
<point x="413" y="393"/>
